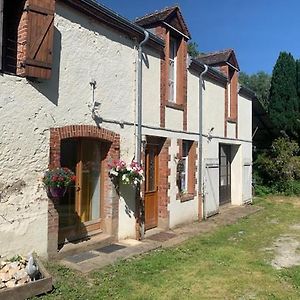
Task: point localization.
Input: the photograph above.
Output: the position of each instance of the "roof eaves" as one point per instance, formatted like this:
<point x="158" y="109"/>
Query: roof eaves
<point x="94" y="8"/>
<point x="211" y="73"/>
<point x="245" y="91"/>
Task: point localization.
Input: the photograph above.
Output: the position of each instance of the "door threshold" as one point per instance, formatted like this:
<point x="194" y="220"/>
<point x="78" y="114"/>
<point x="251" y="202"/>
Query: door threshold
<point x="96" y="239"/>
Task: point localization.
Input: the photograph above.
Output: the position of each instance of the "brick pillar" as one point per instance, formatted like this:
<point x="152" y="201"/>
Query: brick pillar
<point x="53" y="223"/>
<point x="164" y="185"/>
<point x="22" y="42"/>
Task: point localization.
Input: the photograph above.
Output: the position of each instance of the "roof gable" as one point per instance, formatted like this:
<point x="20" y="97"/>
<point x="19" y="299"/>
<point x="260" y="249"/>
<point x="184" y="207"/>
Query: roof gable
<point x="220" y="57"/>
<point x="170" y="16"/>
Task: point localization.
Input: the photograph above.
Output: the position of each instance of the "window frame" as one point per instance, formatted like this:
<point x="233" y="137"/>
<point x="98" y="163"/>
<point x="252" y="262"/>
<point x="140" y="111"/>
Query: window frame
<point x="186" y="170"/>
<point x="173" y="48"/>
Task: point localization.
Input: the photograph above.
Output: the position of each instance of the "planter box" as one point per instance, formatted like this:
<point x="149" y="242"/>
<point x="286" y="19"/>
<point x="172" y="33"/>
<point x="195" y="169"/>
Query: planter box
<point x="30" y="289"/>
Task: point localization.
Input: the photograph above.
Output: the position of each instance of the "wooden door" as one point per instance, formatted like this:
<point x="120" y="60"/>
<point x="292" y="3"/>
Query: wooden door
<point x="80" y="208"/>
<point x="151" y="190"/>
<point x="225" y="174"/>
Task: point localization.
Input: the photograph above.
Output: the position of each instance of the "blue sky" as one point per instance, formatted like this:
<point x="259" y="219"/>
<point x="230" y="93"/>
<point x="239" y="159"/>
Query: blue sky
<point x="256" y="29"/>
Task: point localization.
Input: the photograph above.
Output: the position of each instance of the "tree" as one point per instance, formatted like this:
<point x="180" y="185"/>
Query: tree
<point x="298" y="78"/>
<point x="260" y="83"/>
<point x="283" y="100"/>
<point x="193" y="49"/>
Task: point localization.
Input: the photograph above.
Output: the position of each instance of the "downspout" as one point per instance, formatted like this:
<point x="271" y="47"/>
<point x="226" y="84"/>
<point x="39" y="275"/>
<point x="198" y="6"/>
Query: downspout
<point x="139" y="98"/>
<point x="139" y="133"/>
<point x="200" y="152"/>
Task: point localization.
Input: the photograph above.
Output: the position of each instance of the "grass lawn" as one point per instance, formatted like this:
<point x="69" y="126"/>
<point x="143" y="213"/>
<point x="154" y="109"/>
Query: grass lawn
<point x="231" y="263"/>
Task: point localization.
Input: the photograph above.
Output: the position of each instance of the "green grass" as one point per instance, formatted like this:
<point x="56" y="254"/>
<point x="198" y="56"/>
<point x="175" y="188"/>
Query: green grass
<point x="230" y="263"/>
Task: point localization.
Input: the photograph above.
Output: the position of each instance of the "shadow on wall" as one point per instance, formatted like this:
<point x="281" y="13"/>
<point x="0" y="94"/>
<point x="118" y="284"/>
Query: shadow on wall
<point x="128" y="192"/>
<point x="50" y="88"/>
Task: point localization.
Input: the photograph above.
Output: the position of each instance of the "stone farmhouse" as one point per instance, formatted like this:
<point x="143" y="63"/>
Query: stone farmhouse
<point x="82" y="86"/>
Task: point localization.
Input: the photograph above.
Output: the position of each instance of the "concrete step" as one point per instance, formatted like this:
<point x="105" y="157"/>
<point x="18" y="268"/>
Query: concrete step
<point x="94" y="242"/>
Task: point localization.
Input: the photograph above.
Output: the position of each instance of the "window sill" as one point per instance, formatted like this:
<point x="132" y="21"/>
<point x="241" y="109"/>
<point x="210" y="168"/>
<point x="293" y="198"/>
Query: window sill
<point x="186" y="197"/>
<point x="231" y="120"/>
<point x="175" y="106"/>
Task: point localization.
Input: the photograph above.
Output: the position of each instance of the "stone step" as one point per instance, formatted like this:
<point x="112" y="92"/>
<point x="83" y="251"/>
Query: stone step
<point x="94" y="242"/>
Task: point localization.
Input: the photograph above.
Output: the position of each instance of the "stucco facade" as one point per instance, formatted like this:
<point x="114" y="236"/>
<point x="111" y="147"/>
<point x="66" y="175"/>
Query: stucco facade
<point x="34" y="111"/>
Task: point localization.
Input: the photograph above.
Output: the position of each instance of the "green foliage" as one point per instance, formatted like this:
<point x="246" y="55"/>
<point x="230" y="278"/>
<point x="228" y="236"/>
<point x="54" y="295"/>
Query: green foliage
<point x="298" y="78"/>
<point x="278" y="170"/>
<point x="15" y="258"/>
<point x="262" y="190"/>
<point x="283" y="99"/>
<point x="232" y="262"/>
<point x="259" y="83"/>
<point x="193" y="49"/>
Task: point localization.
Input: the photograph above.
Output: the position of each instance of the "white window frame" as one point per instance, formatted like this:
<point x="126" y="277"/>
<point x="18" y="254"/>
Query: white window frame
<point x="185" y="161"/>
<point x="229" y="100"/>
<point x="173" y="48"/>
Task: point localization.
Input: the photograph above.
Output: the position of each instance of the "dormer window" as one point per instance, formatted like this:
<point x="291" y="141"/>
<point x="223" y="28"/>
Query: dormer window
<point x="172" y="69"/>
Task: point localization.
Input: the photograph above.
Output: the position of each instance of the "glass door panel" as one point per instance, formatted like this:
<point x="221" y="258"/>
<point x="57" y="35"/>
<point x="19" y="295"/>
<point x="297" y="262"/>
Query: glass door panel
<point x="89" y="209"/>
<point x="67" y="207"/>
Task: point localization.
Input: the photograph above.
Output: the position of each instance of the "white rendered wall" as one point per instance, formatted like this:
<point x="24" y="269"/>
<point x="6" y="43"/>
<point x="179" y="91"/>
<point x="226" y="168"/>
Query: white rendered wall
<point x="179" y="212"/>
<point x="213" y="109"/>
<point x="174" y="119"/>
<point x="192" y="102"/>
<point x="83" y="50"/>
<point x="245" y="118"/>
<point x="151" y="89"/>
<point x="231" y="130"/>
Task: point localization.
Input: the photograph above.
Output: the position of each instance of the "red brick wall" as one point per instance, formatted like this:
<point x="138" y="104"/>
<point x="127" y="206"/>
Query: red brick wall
<point x="181" y="91"/>
<point x="110" y="197"/>
<point x="21" y="43"/>
<point x="181" y="77"/>
<point x="163" y="186"/>
<point x="162" y="33"/>
<point x="232" y="76"/>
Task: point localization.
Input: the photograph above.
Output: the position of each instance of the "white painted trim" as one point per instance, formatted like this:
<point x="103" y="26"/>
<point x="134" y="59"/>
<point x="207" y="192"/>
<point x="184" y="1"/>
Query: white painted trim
<point x="173" y="28"/>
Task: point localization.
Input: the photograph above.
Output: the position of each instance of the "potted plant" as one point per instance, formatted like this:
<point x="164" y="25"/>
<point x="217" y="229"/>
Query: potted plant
<point x="57" y="180"/>
<point x="128" y="174"/>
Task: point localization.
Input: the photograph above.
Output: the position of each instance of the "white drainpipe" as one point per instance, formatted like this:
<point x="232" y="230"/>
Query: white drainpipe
<point x="139" y="99"/>
<point x="200" y="127"/>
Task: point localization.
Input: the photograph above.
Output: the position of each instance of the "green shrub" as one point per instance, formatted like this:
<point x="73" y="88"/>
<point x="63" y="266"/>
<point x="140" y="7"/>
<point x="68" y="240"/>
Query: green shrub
<point x="278" y="170"/>
<point x="262" y="190"/>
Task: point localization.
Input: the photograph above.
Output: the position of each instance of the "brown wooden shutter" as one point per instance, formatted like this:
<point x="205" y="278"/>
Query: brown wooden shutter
<point x="39" y="40"/>
<point x="192" y="168"/>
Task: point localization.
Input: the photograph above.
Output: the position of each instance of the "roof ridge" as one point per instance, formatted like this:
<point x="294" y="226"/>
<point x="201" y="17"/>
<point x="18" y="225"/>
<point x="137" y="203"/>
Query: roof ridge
<point x="157" y="12"/>
<point x="215" y="52"/>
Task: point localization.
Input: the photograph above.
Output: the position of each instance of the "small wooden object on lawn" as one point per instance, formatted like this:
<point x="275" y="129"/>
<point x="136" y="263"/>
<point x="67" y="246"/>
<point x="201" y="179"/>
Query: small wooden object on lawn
<point x="31" y="289"/>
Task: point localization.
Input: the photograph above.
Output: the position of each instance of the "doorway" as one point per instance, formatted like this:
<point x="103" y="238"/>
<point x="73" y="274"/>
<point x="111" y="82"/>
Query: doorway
<point x="80" y="209"/>
<point x="151" y="186"/>
<point x="224" y="174"/>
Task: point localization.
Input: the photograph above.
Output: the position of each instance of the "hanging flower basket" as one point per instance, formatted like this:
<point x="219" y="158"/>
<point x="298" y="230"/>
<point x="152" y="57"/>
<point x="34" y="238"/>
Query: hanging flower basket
<point x="58" y="180"/>
<point x="120" y="171"/>
<point x="57" y="192"/>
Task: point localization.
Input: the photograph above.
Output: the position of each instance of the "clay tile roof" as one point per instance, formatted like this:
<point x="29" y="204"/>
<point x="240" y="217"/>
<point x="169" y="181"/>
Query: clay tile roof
<point x="218" y="57"/>
<point x="162" y="16"/>
<point x="157" y="16"/>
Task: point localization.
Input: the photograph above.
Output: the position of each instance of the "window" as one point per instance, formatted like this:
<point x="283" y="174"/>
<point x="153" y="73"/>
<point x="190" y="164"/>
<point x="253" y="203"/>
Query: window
<point x="186" y="168"/>
<point x="27" y="37"/>
<point x="172" y="69"/>
<point x="11" y="44"/>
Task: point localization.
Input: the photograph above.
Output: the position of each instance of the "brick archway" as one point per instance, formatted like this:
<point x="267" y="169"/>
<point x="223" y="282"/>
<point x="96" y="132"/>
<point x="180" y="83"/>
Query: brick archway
<point x="111" y="201"/>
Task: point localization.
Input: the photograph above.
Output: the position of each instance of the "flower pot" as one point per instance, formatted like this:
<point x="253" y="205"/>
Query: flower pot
<point x="57" y="192"/>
